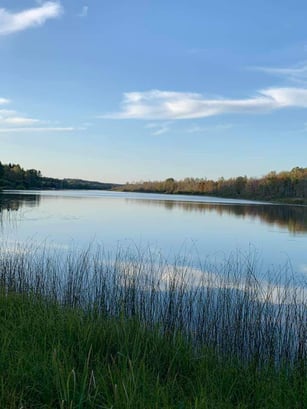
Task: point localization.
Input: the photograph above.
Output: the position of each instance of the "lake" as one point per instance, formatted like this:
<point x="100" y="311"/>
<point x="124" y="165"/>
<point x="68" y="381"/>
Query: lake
<point x="193" y="228"/>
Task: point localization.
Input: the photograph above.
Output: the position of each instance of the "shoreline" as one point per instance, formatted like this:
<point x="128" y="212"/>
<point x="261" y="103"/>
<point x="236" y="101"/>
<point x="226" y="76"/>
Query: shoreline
<point x="248" y="200"/>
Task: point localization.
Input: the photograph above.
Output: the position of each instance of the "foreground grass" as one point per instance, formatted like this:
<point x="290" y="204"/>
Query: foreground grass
<point x="53" y="356"/>
<point x="86" y="329"/>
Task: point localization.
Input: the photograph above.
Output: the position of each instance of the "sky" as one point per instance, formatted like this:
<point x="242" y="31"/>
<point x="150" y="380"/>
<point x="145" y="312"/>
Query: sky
<point x="135" y="90"/>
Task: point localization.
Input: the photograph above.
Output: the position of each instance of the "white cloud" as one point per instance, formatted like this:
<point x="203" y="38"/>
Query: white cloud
<point x="169" y="105"/>
<point x="11" y="117"/>
<point x="161" y="131"/>
<point x="11" y="22"/>
<point x="13" y="122"/>
<point x="287" y="97"/>
<point x="41" y="129"/>
<point x="159" y="128"/>
<point x="19" y="120"/>
<point x="4" y="101"/>
<point x="83" y="12"/>
<point x="297" y="73"/>
<point x="195" y="129"/>
<point x="218" y="127"/>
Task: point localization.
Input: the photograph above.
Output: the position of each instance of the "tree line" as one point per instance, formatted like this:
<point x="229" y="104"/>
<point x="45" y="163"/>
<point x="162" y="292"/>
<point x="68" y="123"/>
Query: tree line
<point x="286" y="185"/>
<point x="13" y="176"/>
<point x="290" y="186"/>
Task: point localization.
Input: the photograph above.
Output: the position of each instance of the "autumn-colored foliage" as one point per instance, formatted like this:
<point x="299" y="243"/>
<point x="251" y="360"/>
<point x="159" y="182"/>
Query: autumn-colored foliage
<point x="288" y="185"/>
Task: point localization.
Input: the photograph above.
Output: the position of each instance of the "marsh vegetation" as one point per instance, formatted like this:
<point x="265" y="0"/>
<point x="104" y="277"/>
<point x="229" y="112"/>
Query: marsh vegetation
<point x="130" y="330"/>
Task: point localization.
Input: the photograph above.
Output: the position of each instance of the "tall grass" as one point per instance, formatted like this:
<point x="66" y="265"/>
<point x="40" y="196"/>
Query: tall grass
<point x="129" y="330"/>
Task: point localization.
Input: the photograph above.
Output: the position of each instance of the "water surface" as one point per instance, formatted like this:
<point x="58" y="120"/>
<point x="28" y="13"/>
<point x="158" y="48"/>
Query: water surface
<point x="197" y="227"/>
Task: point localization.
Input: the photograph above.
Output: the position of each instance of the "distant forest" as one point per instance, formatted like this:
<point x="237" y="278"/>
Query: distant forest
<point x="13" y="176"/>
<point x="288" y="186"/>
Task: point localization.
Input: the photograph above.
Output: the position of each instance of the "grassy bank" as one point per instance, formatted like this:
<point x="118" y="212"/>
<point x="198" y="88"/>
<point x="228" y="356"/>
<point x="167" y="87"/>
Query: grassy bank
<point x="93" y="331"/>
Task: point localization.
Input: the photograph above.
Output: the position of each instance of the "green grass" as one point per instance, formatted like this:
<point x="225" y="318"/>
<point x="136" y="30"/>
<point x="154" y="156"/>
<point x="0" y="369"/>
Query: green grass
<point x="87" y="330"/>
<point x="53" y="356"/>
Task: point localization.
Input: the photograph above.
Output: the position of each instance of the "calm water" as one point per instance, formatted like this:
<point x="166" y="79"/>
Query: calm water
<point x="199" y="228"/>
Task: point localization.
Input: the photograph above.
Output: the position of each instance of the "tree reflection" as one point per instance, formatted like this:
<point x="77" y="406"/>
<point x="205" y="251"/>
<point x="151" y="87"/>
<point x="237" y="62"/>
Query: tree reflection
<point x="14" y="202"/>
<point x="293" y="218"/>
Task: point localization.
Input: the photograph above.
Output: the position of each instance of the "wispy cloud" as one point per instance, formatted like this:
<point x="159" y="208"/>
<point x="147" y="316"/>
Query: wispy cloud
<point x="159" y="128"/>
<point x="11" y="22"/>
<point x="170" y="105"/>
<point x="13" y="122"/>
<point x="4" y="101"/>
<point x="11" y="117"/>
<point x="84" y="12"/>
<point x="40" y="129"/>
<point x="213" y="128"/>
<point x="297" y="73"/>
<point x="197" y="50"/>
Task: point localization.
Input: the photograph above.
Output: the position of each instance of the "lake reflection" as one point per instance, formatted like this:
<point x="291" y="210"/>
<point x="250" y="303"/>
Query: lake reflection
<point x="293" y="218"/>
<point x="199" y="227"/>
<point x="14" y="202"/>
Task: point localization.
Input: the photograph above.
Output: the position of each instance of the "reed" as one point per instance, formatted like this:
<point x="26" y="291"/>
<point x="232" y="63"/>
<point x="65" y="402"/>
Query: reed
<point x="92" y="329"/>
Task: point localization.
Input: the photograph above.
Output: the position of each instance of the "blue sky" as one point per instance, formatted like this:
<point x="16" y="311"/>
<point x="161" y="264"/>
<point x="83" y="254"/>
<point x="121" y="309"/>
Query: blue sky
<point x="148" y="89"/>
